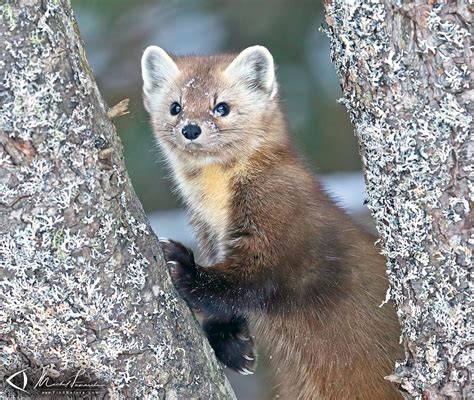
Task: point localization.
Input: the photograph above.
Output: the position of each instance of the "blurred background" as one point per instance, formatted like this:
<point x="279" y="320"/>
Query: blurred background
<point x="117" y="31"/>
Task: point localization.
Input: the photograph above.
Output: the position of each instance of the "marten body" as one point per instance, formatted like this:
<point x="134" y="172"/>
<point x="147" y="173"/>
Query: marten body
<point x="285" y="264"/>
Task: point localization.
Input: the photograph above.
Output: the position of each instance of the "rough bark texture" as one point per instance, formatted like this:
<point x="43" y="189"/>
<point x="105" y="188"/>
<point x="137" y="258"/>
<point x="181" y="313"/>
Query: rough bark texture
<point x="83" y="282"/>
<point x="404" y="71"/>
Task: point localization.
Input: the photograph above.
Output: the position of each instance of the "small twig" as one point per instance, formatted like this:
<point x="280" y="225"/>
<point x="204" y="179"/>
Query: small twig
<point x="104" y="154"/>
<point x="121" y="108"/>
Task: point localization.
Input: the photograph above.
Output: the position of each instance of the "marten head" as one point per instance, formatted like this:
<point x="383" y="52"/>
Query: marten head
<point x="215" y="109"/>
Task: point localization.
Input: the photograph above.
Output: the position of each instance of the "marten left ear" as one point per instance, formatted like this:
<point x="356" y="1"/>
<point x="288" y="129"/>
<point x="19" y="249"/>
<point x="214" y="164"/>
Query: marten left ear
<point x="254" y="66"/>
<point x="158" y="69"/>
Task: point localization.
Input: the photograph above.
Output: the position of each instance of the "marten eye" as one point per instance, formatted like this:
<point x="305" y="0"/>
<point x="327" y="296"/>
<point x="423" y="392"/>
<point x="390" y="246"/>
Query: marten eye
<point x="175" y="108"/>
<point x="221" y="110"/>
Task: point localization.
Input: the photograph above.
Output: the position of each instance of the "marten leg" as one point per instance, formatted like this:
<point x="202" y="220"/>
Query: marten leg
<point x="231" y="341"/>
<point x="236" y="286"/>
<point x="228" y="334"/>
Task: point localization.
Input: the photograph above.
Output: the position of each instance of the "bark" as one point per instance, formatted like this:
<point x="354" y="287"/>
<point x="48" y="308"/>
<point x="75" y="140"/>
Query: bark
<point x="83" y="282"/>
<point x="404" y="69"/>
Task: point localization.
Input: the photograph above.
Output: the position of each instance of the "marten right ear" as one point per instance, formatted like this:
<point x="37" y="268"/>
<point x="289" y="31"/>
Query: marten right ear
<point x="255" y="68"/>
<point x="157" y="69"/>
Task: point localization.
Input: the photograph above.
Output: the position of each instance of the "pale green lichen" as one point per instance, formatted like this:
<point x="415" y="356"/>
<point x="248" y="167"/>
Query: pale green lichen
<point x="8" y="15"/>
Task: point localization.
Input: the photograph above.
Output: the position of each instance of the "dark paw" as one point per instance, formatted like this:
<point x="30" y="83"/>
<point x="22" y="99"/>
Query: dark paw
<point x="176" y="252"/>
<point x="183" y="269"/>
<point x="232" y="343"/>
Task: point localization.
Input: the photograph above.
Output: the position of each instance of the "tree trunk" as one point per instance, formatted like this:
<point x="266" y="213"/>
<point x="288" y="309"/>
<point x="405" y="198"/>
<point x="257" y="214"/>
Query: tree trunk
<point x="83" y="286"/>
<point x="404" y="71"/>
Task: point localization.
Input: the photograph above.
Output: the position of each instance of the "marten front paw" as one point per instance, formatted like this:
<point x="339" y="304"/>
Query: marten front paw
<point x="183" y="269"/>
<point x="232" y="343"/>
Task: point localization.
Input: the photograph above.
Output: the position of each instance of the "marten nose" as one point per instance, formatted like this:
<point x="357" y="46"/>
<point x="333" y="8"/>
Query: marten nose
<point x="191" y="131"/>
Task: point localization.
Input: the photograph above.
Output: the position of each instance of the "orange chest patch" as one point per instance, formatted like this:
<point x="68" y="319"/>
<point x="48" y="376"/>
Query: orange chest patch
<point x="214" y="184"/>
<point x="209" y="194"/>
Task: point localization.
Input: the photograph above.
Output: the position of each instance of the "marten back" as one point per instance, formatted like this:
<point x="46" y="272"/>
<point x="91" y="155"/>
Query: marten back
<point x="325" y="333"/>
<point x="286" y="266"/>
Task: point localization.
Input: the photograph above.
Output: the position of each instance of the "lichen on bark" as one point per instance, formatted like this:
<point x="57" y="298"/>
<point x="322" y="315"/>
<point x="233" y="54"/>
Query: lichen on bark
<point x="405" y="74"/>
<point x="83" y="282"/>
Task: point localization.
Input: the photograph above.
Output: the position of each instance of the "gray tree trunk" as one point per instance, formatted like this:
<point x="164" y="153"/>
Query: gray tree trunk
<point x="83" y="283"/>
<point x="405" y="74"/>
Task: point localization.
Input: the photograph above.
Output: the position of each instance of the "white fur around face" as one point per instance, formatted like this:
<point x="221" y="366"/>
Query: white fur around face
<point x="158" y="69"/>
<point x="254" y="66"/>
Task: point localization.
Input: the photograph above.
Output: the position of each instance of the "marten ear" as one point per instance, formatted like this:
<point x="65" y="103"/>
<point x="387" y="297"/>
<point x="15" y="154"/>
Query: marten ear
<point x="157" y="69"/>
<point x="254" y="67"/>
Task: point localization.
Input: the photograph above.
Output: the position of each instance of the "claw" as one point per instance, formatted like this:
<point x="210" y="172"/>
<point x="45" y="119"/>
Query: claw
<point x="248" y="358"/>
<point x="242" y="337"/>
<point x="245" y="371"/>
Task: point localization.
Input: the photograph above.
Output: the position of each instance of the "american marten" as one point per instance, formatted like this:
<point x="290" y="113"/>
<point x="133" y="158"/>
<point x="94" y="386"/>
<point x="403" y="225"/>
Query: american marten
<point x="286" y="266"/>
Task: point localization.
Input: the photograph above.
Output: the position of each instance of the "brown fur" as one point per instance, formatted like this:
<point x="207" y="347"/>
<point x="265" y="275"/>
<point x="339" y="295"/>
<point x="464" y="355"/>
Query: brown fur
<point x="309" y="280"/>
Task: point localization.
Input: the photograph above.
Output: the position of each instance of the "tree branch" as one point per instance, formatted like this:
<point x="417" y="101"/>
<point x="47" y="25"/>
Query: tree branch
<point x="404" y="72"/>
<point x="83" y="283"/>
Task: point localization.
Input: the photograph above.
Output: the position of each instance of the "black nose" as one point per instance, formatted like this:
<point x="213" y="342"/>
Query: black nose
<point x="191" y="131"/>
